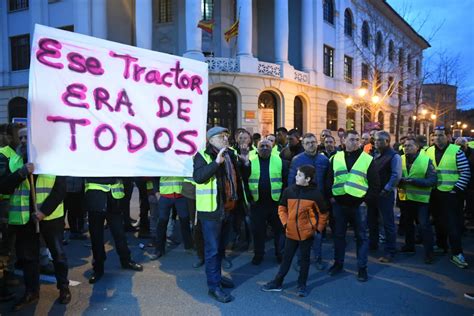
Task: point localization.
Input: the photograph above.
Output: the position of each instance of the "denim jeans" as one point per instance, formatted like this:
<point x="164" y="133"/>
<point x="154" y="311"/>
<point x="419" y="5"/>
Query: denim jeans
<point x="417" y="211"/>
<point x="358" y="216"/>
<point x="385" y="206"/>
<point x="216" y="234"/>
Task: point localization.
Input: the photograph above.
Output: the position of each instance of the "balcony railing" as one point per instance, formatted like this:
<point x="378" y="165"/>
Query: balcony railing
<point x="301" y="76"/>
<point x="222" y="64"/>
<point x="269" y="69"/>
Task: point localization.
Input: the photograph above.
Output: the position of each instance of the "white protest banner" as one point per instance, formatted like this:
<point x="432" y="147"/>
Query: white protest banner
<point x="100" y="108"/>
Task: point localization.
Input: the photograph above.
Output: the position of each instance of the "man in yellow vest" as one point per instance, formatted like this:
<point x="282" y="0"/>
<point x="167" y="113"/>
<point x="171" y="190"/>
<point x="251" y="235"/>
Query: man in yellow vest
<point x="352" y="179"/>
<point x="414" y="189"/>
<point x="446" y="206"/>
<point x="24" y="218"/>
<point x="265" y="176"/>
<point x="218" y="193"/>
<point x="102" y="202"/>
<point x="170" y="196"/>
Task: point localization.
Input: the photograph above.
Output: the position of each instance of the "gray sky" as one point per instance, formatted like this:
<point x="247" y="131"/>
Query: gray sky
<point x="456" y="35"/>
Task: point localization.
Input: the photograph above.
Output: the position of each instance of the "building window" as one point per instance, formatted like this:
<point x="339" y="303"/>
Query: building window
<point x="417" y="68"/>
<point x="365" y="76"/>
<point x="392" y="123"/>
<point x="207" y="8"/>
<point x="391" y="50"/>
<point x="20" y="52"/>
<point x="15" y="5"/>
<point x="408" y="93"/>
<point x="391" y="85"/>
<point x="380" y="119"/>
<point x="348" y="69"/>
<point x="69" y="28"/>
<point x="350" y="119"/>
<point x="348" y="22"/>
<point x="328" y="61"/>
<point x="222" y="108"/>
<point x="331" y="114"/>
<point x="164" y="11"/>
<point x="401" y="57"/>
<point x="379" y="43"/>
<point x="298" y="114"/>
<point x="328" y="11"/>
<point x="365" y="34"/>
<point x="409" y="63"/>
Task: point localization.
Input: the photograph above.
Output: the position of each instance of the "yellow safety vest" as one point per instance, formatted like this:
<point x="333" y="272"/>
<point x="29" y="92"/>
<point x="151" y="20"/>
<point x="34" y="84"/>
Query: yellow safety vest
<point x="447" y="169"/>
<point x="116" y="189"/>
<point x="206" y="193"/>
<point x="352" y="182"/>
<point x="19" y="213"/>
<point x="417" y="171"/>
<point x="170" y="185"/>
<point x="15" y="162"/>
<point x="275" y="177"/>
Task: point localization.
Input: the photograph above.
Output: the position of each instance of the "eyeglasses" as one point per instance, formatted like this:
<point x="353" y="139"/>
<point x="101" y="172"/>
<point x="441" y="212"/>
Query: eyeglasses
<point x="221" y="136"/>
<point x="310" y="143"/>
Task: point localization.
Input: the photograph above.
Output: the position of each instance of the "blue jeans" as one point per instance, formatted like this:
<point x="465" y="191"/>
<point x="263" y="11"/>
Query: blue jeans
<point x="164" y="209"/>
<point x="216" y="235"/>
<point x="418" y="211"/>
<point x="358" y="216"/>
<point x="385" y="208"/>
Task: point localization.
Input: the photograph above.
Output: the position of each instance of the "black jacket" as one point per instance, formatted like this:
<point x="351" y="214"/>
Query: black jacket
<point x="203" y="172"/>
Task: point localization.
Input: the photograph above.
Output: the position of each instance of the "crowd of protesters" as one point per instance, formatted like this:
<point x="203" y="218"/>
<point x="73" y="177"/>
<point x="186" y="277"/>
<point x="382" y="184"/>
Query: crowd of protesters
<point x="242" y="185"/>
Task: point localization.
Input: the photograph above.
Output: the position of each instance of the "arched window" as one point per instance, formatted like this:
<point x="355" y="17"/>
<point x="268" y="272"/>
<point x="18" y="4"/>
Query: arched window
<point x="328" y="11"/>
<point x="17" y="107"/>
<point x="378" y="43"/>
<point x="392" y="123"/>
<point x="391" y="50"/>
<point x="350" y="119"/>
<point x="268" y="112"/>
<point x="331" y="114"/>
<point x="348" y="22"/>
<point x="298" y="115"/>
<point x="401" y="57"/>
<point x="365" y="34"/>
<point x="380" y="119"/>
<point x="222" y="108"/>
<point x="417" y="68"/>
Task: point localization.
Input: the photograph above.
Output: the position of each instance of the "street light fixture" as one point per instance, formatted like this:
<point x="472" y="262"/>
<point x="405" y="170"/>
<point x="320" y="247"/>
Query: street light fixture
<point x="349" y="101"/>
<point x="362" y="92"/>
<point x="433" y="117"/>
<point x="464" y="126"/>
<point x="375" y="99"/>
<point x="424" y="112"/>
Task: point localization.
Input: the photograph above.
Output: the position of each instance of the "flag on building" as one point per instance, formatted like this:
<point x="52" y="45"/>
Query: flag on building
<point x="206" y="26"/>
<point x="232" y="31"/>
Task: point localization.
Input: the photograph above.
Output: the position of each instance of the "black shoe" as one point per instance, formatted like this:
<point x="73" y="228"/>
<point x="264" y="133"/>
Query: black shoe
<point x="272" y="286"/>
<point x="27" y="299"/>
<point x="198" y="263"/>
<point x="302" y="291"/>
<point x="64" y="296"/>
<point x="95" y="277"/>
<point x="257" y="260"/>
<point x="132" y="265"/>
<point x="362" y="275"/>
<point x="335" y="269"/>
<point x="219" y="295"/>
<point x="157" y="254"/>
<point x="227" y="283"/>
<point x="407" y="249"/>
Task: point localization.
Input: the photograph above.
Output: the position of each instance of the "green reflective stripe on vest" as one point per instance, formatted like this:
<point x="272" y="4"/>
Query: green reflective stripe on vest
<point x="19" y="213"/>
<point x="171" y="185"/>
<point x="117" y="189"/>
<point x="353" y="182"/>
<point x="276" y="182"/>
<point x="206" y="193"/>
<point x="447" y="170"/>
<point x="417" y="171"/>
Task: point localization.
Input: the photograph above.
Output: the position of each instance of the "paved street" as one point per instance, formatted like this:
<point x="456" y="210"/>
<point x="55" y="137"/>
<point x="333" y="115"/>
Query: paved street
<point x="172" y="287"/>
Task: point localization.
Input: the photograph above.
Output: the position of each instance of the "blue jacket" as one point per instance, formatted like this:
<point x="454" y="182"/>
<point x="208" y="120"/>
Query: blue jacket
<point x="319" y="161"/>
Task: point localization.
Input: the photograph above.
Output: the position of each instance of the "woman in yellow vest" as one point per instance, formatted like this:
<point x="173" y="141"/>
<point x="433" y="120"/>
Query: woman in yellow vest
<point x="24" y="218"/>
<point x="414" y="189"/>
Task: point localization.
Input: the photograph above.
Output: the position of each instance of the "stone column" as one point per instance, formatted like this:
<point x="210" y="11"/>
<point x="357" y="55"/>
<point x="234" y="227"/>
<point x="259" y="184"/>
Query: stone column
<point x="307" y="38"/>
<point x="99" y="18"/>
<point x="143" y="23"/>
<point x="193" y="15"/>
<point x="82" y="17"/>
<point x="281" y="28"/>
<point x="248" y="63"/>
